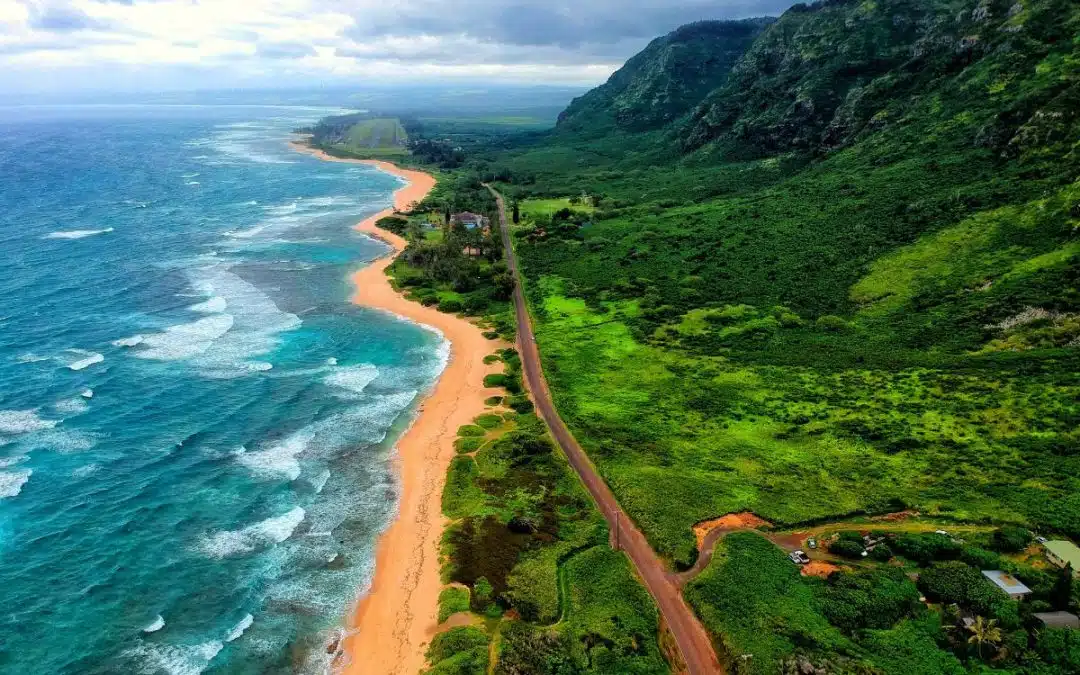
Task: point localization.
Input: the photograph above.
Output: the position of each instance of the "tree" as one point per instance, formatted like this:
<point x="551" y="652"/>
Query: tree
<point x="517" y="212"/>
<point x="1061" y="595"/>
<point x="984" y="632"/>
<point x="1010" y="539"/>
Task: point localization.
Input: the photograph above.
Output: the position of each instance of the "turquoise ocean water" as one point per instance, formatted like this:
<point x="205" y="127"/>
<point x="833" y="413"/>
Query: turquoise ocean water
<point x="195" y="425"/>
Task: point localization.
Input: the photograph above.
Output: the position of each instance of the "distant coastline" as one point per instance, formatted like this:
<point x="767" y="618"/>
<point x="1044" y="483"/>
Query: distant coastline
<point x="392" y="624"/>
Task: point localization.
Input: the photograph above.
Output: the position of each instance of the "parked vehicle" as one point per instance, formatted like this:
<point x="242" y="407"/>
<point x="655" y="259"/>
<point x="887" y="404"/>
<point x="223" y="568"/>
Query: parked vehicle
<point x="799" y="558"/>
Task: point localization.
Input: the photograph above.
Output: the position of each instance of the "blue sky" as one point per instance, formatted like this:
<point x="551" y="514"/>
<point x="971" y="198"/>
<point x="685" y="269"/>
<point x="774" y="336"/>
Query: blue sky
<point x="157" y="45"/>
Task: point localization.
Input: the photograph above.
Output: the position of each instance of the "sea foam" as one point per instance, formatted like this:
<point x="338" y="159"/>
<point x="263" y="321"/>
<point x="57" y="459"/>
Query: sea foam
<point x="76" y="234"/>
<point x="155" y="658"/>
<point x="229" y="543"/>
<point x="23" y="422"/>
<point x="88" y="359"/>
<point x="239" y="628"/>
<point x="155" y="625"/>
<point x="353" y="379"/>
<point x="11" y="482"/>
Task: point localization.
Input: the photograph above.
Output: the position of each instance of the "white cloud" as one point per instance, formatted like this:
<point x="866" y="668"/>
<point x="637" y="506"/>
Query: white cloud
<point x="213" y="43"/>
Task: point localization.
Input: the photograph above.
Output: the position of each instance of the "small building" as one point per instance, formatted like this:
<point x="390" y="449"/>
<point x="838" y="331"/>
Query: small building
<point x="1008" y="583"/>
<point x="469" y="220"/>
<point x="1059" y="620"/>
<point x="1062" y="553"/>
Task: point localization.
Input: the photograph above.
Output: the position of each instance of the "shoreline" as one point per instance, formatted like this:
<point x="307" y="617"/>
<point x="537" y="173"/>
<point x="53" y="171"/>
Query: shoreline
<point x="391" y="625"/>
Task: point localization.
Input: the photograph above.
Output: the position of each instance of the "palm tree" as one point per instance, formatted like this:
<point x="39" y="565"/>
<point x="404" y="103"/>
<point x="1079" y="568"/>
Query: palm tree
<point x="983" y="631"/>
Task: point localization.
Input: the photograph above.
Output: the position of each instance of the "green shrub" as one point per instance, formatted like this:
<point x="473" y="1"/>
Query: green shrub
<point x="450" y="306"/>
<point x="832" y="323"/>
<point x="493" y="400"/>
<point x="459" y="651"/>
<point x="521" y="404"/>
<point x="926" y="548"/>
<point x="954" y="581"/>
<point x="453" y="600"/>
<point x="881" y="553"/>
<point x="847" y="548"/>
<point x="429" y="300"/>
<point x="873" y="599"/>
<point x="490" y="359"/>
<point x="471" y="430"/>
<point x="495" y="380"/>
<point x="468" y="444"/>
<point x="1011" y="539"/>
<point x="489" y="421"/>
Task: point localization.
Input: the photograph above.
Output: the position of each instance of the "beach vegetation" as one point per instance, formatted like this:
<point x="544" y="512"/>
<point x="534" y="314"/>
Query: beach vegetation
<point x="452" y="600"/>
<point x="459" y="651"/>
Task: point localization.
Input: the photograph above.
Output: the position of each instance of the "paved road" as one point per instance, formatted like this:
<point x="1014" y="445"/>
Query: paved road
<point x="697" y="649"/>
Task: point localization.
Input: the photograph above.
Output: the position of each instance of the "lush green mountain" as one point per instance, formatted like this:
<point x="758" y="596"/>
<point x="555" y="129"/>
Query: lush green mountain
<point x="666" y="80"/>
<point x="846" y="282"/>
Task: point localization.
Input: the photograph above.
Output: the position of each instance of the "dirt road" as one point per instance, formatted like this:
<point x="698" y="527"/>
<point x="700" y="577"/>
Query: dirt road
<point x="694" y="643"/>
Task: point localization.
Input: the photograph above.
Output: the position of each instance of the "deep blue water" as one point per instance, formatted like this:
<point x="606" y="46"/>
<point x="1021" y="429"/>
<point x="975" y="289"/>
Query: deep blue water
<point x="195" y="425"/>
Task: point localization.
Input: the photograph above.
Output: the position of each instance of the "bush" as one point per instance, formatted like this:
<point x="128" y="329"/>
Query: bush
<point x="468" y="430"/>
<point x="832" y="323"/>
<point x="521" y="404"/>
<point x="954" y="581"/>
<point x="981" y="558"/>
<point x="451" y="601"/>
<point x="429" y="300"/>
<point x="489" y="421"/>
<point x="495" y="380"/>
<point x="493" y="400"/>
<point x="847" y="548"/>
<point x="881" y="553"/>
<point x="1011" y="539"/>
<point x="875" y="599"/>
<point x="468" y="444"/>
<point x="450" y="306"/>
<point x="459" y="651"/>
<point x="926" y="548"/>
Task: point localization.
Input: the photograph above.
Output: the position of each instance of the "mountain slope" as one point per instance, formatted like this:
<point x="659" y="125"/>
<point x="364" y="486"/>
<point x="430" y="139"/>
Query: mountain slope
<point x="847" y="283"/>
<point x="666" y="80"/>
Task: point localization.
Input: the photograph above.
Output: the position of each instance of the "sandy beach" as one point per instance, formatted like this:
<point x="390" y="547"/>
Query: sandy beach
<point x="392" y="625"/>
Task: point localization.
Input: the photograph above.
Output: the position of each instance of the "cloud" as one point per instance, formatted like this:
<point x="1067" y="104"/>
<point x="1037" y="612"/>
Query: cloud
<point x="284" y="50"/>
<point x="230" y="43"/>
<point x="62" y="19"/>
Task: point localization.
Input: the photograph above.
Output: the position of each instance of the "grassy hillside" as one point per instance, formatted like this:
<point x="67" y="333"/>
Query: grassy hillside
<point x="362" y="136"/>
<point x="846" y="281"/>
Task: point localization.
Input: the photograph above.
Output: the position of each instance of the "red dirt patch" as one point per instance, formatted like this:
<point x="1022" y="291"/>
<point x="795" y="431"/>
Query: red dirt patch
<point x="819" y="568"/>
<point x="732" y="521"/>
<point x="895" y="517"/>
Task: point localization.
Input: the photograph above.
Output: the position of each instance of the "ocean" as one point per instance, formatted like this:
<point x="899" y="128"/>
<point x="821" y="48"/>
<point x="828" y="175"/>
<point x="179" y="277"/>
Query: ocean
<point x="196" y="426"/>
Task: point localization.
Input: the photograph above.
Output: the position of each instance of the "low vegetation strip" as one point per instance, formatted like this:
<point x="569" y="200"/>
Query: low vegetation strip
<point x="528" y="552"/>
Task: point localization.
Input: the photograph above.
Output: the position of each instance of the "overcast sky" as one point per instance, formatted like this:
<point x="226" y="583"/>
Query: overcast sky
<point x="157" y="45"/>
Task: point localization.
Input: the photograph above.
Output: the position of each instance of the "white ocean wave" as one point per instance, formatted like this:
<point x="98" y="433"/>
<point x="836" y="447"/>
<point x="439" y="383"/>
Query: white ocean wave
<point x="239" y="628"/>
<point x="23" y="422"/>
<point x="71" y="406"/>
<point x="128" y="341"/>
<point x="156" y="658"/>
<point x="88" y="359"/>
<point x="215" y="305"/>
<point x="76" y="234"/>
<point x="11" y="482"/>
<point x="281" y="459"/>
<point x="223" y="344"/>
<point x="5" y="462"/>
<point x="353" y="379"/>
<point x="185" y="340"/>
<point x="86" y="470"/>
<point x="155" y="625"/>
<point x="64" y="441"/>
<point x="87" y="393"/>
<point x="30" y="358"/>
<point x="265" y="533"/>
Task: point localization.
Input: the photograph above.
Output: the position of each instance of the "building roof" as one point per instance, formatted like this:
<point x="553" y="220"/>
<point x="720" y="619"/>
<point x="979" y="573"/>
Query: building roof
<point x="1006" y="582"/>
<point x="1065" y="550"/>
<point x="467" y="216"/>
<point x="1059" y="619"/>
